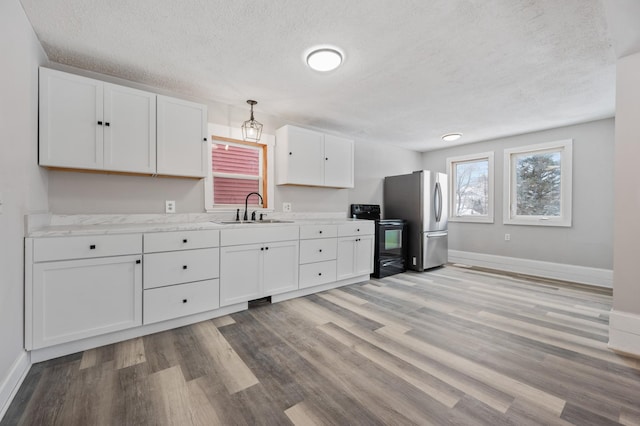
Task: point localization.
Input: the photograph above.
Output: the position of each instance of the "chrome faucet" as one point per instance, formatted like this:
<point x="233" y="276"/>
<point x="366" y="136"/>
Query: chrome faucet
<point x="246" y="200"/>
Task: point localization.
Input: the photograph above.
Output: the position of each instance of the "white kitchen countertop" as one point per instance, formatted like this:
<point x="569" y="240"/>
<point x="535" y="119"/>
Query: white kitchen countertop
<point x="70" y="225"/>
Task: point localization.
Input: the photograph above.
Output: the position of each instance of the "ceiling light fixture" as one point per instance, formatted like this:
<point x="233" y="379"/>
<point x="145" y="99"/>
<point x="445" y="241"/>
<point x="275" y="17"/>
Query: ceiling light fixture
<point x="324" y="59"/>
<point x="450" y="137"/>
<point x="251" y="129"/>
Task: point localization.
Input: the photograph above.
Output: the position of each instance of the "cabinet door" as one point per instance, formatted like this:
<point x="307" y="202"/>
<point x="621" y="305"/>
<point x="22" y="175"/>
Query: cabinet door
<point x="338" y="162"/>
<point x="240" y="273"/>
<point x="83" y="298"/>
<point x="130" y="129"/>
<point x="304" y="157"/>
<point x="346" y="259"/>
<point x="182" y="140"/>
<point x="70" y="109"/>
<point x="364" y="255"/>
<point x="280" y="267"/>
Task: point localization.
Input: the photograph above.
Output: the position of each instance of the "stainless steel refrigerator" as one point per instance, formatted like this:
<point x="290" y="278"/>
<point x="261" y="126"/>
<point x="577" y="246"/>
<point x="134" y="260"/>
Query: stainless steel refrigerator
<point x="420" y="198"/>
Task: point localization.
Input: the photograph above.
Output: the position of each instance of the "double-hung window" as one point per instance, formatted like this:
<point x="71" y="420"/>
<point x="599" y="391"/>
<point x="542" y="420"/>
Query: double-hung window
<point x="538" y="184"/>
<point x="471" y="183"/>
<point x="237" y="169"/>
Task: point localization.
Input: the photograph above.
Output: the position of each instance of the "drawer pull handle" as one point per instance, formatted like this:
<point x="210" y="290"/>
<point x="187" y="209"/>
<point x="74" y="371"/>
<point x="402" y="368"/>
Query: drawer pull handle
<point x="184" y="300"/>
<point x="358" y="230"/>
<point x="319" y="273"/>
<point x="92" y="247"/>
<point x="138" y="262"/>
<point x="321" y="232"/>
<point x="184" y="241"/>
<point x="184" y="266"/>
<point x="266" y="248"/>
<point x="320" y="250"/>
<point x="262" y="248"/>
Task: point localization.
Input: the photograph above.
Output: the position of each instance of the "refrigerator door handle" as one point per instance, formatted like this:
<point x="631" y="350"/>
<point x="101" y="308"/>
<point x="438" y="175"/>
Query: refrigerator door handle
<point x="437" y="201"/>
<point x="436" y="234"/>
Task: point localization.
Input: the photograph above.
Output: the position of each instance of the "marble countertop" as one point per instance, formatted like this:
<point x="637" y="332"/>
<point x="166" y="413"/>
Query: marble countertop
<point x="84" y="226"/>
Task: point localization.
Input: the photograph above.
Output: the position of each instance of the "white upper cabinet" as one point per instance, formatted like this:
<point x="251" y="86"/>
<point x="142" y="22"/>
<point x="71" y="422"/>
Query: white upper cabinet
<point x="88" y="124"/>
<point x="94" y="125"/>
<point x="130" y="137"/>
<point x="307" y="157"/>
<point x="182" y="138"/>
<point x="71" y="114"/>
<point x="338" y="162"/>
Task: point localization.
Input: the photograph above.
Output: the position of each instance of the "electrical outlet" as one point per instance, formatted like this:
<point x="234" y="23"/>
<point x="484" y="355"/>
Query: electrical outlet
<point x="169" y="206"/>
<point x="507" y="237"/>
<point x="414" y="261"/>
<point x="286" y="207"/>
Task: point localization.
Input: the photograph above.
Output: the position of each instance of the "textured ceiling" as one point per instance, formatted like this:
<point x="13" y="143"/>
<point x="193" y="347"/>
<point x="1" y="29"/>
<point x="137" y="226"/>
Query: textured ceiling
<point x="413" y="70"/>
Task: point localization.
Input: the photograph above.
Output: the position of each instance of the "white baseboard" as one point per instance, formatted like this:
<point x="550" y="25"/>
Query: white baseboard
<point x="624" y="332"/>
<point x="559" y="271"/>
<point x="44" y="354"/>
<point x="12" y="382"/>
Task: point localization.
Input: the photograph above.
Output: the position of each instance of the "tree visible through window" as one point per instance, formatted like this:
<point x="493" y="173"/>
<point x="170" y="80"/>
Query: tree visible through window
<point x="538" y="184"/>
<point x="471" y="183"/>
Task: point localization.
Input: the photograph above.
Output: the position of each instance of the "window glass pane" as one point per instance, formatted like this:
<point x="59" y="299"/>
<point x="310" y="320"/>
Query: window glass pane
<point x="234" y="159"/>
<point x="234" y="191"/>
<point x="471" y="188"/>
<point x="537" y="184"/>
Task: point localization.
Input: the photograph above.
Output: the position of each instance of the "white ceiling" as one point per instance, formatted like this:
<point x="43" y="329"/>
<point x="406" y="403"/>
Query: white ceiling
<point x="413" y="69"/>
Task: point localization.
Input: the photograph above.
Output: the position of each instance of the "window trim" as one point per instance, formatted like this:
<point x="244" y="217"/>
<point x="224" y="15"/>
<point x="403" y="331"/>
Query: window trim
<point x="489" y="156"/>
<point x="267" y="190"/>
<point x="565" y="147"/>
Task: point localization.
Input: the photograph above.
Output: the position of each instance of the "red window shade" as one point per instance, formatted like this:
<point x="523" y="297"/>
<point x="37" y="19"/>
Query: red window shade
<point x="234" y="191"/>
<point x="234" y="159"/>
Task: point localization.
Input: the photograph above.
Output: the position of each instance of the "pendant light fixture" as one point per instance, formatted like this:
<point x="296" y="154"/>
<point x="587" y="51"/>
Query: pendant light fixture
<point x="251" y="129"/>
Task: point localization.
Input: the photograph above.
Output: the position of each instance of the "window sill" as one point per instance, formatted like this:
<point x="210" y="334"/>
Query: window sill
<point x="538" y="221"/>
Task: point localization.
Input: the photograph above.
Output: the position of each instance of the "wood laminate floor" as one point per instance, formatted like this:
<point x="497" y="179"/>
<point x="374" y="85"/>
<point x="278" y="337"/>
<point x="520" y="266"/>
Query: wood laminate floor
<point x="450" y="346"/>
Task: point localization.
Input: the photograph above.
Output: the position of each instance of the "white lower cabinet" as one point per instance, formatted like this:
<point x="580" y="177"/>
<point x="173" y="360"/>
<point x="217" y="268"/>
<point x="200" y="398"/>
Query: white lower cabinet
<point x="252" y="271"/>
<point x="165" y="303"/>
<point x="313" y="274"/>
<point x="355" y="256"/>
<point x="181" y="270"/>
<point x="76" y="299"/>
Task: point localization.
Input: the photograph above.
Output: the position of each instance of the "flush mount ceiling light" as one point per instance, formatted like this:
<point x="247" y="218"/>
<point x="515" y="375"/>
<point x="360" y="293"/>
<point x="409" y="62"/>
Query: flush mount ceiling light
<point x="251" y="129"/>
<point x="450" y="137"/>
<point x="324" y="59"/>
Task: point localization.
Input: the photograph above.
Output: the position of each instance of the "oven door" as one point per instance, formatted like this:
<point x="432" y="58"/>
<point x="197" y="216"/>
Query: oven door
<point x="390" y="240"/>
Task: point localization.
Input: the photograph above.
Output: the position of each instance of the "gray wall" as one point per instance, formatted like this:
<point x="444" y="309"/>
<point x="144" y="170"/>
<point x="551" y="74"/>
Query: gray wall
<point x="588" y="242"/>
<point x="626" y="284"/>
<point x="22" y="182"/>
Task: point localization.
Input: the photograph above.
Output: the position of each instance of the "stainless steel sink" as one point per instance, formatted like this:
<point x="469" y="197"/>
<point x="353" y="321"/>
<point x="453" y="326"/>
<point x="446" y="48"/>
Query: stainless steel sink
<point x="252" y="222"/>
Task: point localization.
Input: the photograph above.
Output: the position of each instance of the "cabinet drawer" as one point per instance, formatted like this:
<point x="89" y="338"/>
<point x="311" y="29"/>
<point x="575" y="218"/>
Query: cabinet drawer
<point x="318" y="231"/>
<point x="318" y="250"/>
<point x="364" y="227"/>
<point x="178" y="267"/>
<point x="314" y="274"/>
<point x="254" y="234"/>
<point x="180" y="240"/>
<point x="175" y="301"/>
<point x="66" y="248"/>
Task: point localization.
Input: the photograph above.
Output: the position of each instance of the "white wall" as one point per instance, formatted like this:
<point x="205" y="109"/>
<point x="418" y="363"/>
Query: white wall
<point x="588" y="242"/>
<point x="624" y="332"/>
<point x="22" y="183"/>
